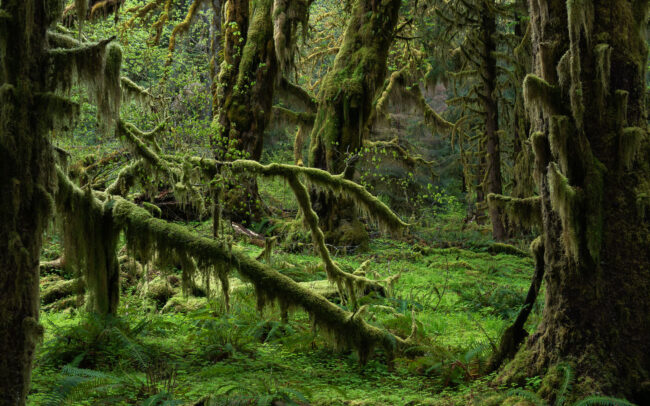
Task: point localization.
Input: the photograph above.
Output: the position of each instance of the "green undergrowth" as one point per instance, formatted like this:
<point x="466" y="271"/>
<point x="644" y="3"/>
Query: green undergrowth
<point x="188" y="349"/>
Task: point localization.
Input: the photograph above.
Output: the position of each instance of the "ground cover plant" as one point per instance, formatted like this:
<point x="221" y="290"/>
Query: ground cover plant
<point x="297" y="202"/>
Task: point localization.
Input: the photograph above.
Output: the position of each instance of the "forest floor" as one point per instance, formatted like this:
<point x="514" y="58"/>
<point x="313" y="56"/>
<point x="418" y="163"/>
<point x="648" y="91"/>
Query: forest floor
<point x="165" y="348"/>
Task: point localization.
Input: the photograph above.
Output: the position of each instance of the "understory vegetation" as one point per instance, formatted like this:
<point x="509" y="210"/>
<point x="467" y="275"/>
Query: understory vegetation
<point x="167" y="346"/>
<point x="312" y="202"/>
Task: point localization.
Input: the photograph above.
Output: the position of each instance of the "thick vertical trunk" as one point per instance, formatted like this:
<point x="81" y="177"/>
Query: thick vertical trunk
<point x="490" y="106"/>
<point x="345" y="103"/>
<point x="247" y="81"/>
<point x="26" y="169"/>
<point x="591" y="146"/>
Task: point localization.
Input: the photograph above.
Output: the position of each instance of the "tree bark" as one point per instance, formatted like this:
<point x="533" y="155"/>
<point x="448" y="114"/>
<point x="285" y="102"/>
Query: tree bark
<point x="26" y="176"/>
<point x="490" y="106"/>
<point x="587" y="104"/>
<point x="245" y="97"/>
<point x="345" y="103"/>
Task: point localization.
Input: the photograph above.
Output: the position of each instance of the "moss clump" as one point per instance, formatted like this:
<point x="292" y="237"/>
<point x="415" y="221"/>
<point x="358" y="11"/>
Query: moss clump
<point x="523" y="212"/>
<point x="159" y="291"/>
<point x="629" y="145"/>
<point x="539" y="93"/>
<point x="178" y="304"/>
<point x="351" y="233"/>
<point x="500" y="248"/>
<point x="565" y="200"/>
<point x="62" y="289"/>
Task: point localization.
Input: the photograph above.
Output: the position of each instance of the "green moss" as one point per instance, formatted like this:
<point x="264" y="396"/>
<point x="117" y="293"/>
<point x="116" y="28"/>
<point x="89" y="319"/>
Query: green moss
<point x="564" y="200"/>
<point x="153" y="209"/>
<point x="594" y="194"/>
<point x="539" y="93"/>
<point x="500" y="248"/>
<point x="629" y="145"/>
<point x="159" y="291"/>
<point x="349" y="88"/>
<point x="179" y="304"/>
<point x="337" y="184"/>
<point x="62" y="289"/>
<point x="559" y="133"/>
<point x="524" y="212"/>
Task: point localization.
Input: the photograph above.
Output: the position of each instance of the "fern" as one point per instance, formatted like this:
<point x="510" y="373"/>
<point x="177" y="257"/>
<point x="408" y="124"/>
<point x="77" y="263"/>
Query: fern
<point x="532" y="397"/>
<point x="565" y="388"/>
<point x="603" y="401"/>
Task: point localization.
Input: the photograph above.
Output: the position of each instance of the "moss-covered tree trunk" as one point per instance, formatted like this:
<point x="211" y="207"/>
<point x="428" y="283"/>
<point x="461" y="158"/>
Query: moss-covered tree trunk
<point x="488" y="74"/>
<point x="26" y="178"/>
<point x="346" y="100"/>
<point x="247" y="78"/>
<point x="592" y="152"/>
<point x="523" y="184"/>
<point x="216" y="48"/>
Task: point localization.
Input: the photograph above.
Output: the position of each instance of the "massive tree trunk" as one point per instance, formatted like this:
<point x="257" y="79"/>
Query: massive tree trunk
<point x="245" y="97"/>
<point x="592" y="152"/>
<point x="26" y="176"/>
<point x="346" y="101"/>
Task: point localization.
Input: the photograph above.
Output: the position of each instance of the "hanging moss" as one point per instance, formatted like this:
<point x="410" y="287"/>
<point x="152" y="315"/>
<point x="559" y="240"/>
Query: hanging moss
<point x="95" y="66"/>
<point x="288" y="15"/>
<point x="131" y="91"/>
<point x="91" y="238"/>
<point x="180" y="175"/>
<point x="372" y="207"/>
<point x="629" y="145"/>
<point x="398" y="152"/>
<point x="594" y="193"/>
<point x="150" y="235"/>
<point x="539" y="93"/>
<point x="184" y="25"/>
<point x="559" y="134"/>
<point x="349" y="88"/>
<point x="564" y="200"/>
<point x="525" y="212"/>
<point x="603" y="54"/>
<point x="269" y="246"/>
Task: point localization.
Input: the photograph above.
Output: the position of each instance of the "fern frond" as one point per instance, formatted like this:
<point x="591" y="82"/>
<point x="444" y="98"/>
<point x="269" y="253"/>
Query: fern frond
<point x="603" y="401"/>
<point x="532" y="397"/>
<point x="565" y="388"/>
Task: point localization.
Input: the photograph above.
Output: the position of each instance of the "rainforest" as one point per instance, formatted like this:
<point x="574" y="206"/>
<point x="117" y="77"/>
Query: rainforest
<point x="321" y="202"/>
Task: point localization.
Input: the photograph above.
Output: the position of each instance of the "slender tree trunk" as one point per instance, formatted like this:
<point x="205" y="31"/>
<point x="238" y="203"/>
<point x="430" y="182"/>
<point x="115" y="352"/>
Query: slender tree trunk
<point x="523" y="184"/>
<point x="587" y="103"/>
<point x="215" y="49"/>
<point x="345" y="103"/>
<point x="490" y="106"/>
<point x="26" y="176"/>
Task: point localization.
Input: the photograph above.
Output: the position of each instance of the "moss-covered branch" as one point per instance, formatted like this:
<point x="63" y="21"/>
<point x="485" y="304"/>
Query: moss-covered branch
<point x="399" y="152"/>
<point x="148" y="236"/>
<point x="95" y="66"/>
<point x="372" y="206"/>
<point x="354" y="284"/>
<point x="524" y="212"/>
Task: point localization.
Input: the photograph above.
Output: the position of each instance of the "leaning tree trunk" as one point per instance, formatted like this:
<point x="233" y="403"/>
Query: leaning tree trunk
<point x="592" y="152"/>
<point x="345" y="103"/>
<point x="26" y="178"/>
<point x="245" y="97"/>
